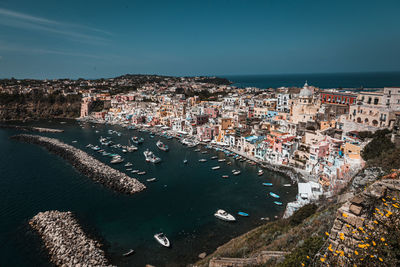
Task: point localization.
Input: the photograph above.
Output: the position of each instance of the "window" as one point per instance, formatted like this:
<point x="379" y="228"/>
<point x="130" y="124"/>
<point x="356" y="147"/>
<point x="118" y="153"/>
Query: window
<point x="369" y="100"/>
<point x="376" y="100"/>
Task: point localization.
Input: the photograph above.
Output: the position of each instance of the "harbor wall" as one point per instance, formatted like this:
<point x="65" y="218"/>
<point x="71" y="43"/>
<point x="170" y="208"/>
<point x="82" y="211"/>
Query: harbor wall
<point x="86" y="164"/>
<point x="65" y="241"/>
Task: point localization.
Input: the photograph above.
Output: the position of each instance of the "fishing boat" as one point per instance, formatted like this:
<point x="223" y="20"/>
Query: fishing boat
<point x="185" y="161"/>
<point x="214" y="157"/>
<point x="151" y="180"/>
<point x="162" y="239"/>
<point x="260" y="172"/>
<point x="202" y="160"/>
<point x="129" y="169"/>
<point x="225" y="176"/>
<point x="128" y="164"/>
<point x="95" y="148"/>
<point x="130" y="252"/>
<point x="278" y="203"/>
<point x="141" y="173"/>
<point x="236" y="173"/>
<point x="135" y="171"/>
<point x="150" y="157"/>
<point x="287" y="185"/>
<point x="216" y="167"/>
<point x="162" y="146"/>
<point x="223" y="215"/>
<point x="244" y="214"/>
<point x="274" y="195"/>
<point x="221" y="160"/>
<point x="74" y="141"/>
<point x="267" y="184"/>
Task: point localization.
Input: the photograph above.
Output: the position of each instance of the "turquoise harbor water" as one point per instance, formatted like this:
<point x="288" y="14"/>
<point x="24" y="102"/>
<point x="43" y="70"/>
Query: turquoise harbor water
<point x="181" y="203"/>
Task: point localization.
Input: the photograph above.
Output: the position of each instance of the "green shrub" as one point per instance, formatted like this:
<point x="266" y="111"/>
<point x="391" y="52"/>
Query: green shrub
<point x="301" y="214"/>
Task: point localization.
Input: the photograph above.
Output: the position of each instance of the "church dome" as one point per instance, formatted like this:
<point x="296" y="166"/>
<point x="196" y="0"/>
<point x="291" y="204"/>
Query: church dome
<point x="305" y="92"/>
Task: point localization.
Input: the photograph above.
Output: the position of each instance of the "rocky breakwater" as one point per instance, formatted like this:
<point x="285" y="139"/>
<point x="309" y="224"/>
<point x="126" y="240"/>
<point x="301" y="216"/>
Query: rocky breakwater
<point x="31" y="129"/>
<point x="65" y="240"/>
<point x="86" y="164"/>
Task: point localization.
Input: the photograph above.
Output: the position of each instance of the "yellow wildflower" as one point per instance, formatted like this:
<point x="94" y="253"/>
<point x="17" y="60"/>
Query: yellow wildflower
<point x="395" y="205"/>
<point x="394" y="199"/>
<point x="373" y="243"/>
<point x="344" y="215"/>
<point x="327" y="233"/>
<point x="322" y="259"/>
<point x="356" y="252"/>
<point x="383" y="200"/>
<point x="376" y="221"/>
<point x="380" y="259"/>
<point x="382" y="239"/>
<point x="302" y="264"/>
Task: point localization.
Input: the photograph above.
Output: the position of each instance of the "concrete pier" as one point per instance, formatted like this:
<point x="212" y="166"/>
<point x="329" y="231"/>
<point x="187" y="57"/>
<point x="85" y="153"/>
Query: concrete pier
<point x="65" y="241"/>
<point x="86" y="164"/>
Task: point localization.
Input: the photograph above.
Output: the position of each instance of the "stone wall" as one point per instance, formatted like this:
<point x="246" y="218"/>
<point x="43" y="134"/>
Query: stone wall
<point x="359" y="221"/>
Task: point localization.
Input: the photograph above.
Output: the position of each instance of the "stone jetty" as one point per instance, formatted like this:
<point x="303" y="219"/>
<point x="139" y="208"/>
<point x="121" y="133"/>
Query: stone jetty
<point x="86" y="164"/>
<point x="31" y="129"/>
<point x="65" y="240"/>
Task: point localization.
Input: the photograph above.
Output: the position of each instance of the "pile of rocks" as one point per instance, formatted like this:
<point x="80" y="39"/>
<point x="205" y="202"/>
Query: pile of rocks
<point x="86" y="164"/>
<point x="31" y="129"/>
<point x="65" y="240"/>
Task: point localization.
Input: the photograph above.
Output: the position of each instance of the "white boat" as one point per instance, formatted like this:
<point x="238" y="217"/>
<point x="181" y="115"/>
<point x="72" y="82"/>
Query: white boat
<point x="162" y="146"/>
<point x="151" y="180"/>
<point x="135" y="171"/>
<point x="216" y="167"/>
<point x="130" y="252"/>
<point x="236" y="173"/>
<point x="260" y="172"/>
<point x="150" y="157"/>
<point x="202" y="160"/>
<point x="116" y="160"/>
<point x="128" y="164"/>
<point x="74" y="141"/>
<point x="287" y="185"/>
<point x="225" y="176"/>
<point x="221" y="160"/>
<point x="185" y="161"/>
<point x="162" y="239"/>
<point x="214" y="157"/>
<point x="141" y="173"/>
<point x="223" y="215"/>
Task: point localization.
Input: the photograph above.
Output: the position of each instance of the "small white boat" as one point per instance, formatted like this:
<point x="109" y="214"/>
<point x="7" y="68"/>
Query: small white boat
<point x="117" y="160"/>
<point x="128" y="164"/>
<point x="214" y="157"/>
<point x="162" y="239"/>
<point x="260" y="172"/>
<point x="74" y="141"/>
<point x="185" y="161"/>
<point x="225" y="176"/>
<point x="287" y="185"/>
<point x="216" y="167"/>
<point x="141" y="173"/>
<point x="223" y="215"/>
<point x="130" y="252"/>
<point x="150" y="157"/>
<point x="151" y="180"/>
<point x="236" y="173"/>
<point x="202" y="160"/>
<point x="221" y="160"/>
<point x="135" y="171"/>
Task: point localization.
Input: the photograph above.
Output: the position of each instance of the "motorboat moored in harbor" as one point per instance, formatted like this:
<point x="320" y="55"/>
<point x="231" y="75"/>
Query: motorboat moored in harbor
<point x="236" y="173"/>
<point x="202" y="160"/>
<point x="278" y="203"/>
<point x="274" y="195"/>
<point x="151" y="180"/>
<point x="162" y="239"/>
<point x="116" y="160"/>
<point x="150" y="157"/>
<point x="130" y="252"/>
<point x="216" y="167"/>
<point x="225" y="176"/>
<point x="223" y="215"/>
<point x="162" y="146"/>
<point x="244" y="214"/>
<point x="260" y="172"/>
<point x="267" y="184"/>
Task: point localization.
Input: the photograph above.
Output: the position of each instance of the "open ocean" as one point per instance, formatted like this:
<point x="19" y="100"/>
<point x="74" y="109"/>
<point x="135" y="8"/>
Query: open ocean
<point x="181" y="203"/>
<point x="323" y="80"/>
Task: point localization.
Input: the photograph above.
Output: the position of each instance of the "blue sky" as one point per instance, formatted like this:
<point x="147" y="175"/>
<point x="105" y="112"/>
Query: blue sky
<point x="90" y="39"/>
